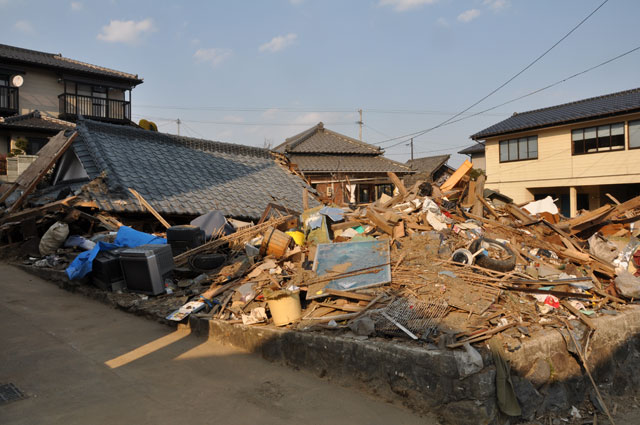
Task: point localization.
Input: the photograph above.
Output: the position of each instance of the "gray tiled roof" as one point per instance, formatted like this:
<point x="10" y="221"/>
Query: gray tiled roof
<point x="428" y="164"/>
<point x="347" y="164"/>
<point x="475" y="148"/>
<point x="35" y="121"/>
<point x="181" y="175"/>
<point x="318" y="139"/>
<point x="587" y="109"/>
<point x="12" y="54"/>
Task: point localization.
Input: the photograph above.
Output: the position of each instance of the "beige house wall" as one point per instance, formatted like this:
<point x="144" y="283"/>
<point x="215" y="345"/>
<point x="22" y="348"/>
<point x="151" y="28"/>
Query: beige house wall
<point x="557" y="167"/>
<point x="479" y="161"/>
<point x="40" y="91"/>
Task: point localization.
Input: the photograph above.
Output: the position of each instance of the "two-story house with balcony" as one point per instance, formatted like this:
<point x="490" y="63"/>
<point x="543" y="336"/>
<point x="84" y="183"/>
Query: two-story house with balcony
<point x="576" y="152"/>
<point x="43" y="93"/>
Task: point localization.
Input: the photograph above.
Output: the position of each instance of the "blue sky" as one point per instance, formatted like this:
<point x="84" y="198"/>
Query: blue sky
<point x="255" y="71"/>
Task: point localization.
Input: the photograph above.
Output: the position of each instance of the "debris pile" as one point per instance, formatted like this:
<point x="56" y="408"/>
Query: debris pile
<point x="447" y="266"/>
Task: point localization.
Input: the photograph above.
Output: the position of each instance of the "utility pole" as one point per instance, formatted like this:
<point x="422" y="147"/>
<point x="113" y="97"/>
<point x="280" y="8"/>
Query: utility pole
<point x="412" y="148"/>
<point x="360" y="123"/>
<point x="178" y="122"/>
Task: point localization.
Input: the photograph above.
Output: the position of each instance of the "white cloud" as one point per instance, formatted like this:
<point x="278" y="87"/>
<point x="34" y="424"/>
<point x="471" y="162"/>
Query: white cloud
<point x="278" y="43"/>
<point x="497" y="5"/>
<point x="76" y="6"/>
<point x="24" y="27"/>
<point x="214" y="56"/>
<point x="270" y="113"/>
<point x="128" y="32"/>
<point x="403" y="5"/>
<point x="233" y="118"/>
<point x="468" y="15"/>
<point x="442" y="22"/>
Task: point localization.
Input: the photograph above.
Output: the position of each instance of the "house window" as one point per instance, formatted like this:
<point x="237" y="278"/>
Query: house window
<point x="329" y="191"/>
<point x="602" y="138"/>
<point x="519" y="149"/>
<point x="634" y="134"/>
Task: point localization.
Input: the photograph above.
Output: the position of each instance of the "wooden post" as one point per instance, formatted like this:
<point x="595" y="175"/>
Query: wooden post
<point x="478" y="207"/>
<point x="148" y="206"/>
<point x="305" y="199"/>
<point x="397" y="183"/>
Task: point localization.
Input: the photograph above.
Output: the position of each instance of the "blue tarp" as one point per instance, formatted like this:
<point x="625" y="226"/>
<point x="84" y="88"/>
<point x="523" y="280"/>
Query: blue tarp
<point x="126" y="237"/>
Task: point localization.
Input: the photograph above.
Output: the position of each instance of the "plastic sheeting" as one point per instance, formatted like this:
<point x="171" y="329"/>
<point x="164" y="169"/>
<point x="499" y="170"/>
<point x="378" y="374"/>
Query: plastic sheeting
<point x="126" y="237"/>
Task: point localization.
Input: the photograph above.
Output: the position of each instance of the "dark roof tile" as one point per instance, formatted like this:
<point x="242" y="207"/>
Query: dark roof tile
<point x="586" y="109"/>
<point x="318" y="139"/>
<point x="180" y="175"/>
<point x="348" y="164"/>
<point x="57" y="61"/>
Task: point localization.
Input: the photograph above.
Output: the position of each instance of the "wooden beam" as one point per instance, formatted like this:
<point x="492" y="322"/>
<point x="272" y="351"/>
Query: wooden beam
<point x="456" y="176"/>
<point x="148" y="206"/>
<point x="478" y="206"/>
<point x="397" y="183"/>
<point x="350" y="295"/>
<point x="379" y="221"/>
<point x="47" y="157"/>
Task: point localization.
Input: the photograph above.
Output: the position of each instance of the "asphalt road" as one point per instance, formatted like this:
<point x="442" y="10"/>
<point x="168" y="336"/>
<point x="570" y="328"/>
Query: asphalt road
<point x="81" y="362"/>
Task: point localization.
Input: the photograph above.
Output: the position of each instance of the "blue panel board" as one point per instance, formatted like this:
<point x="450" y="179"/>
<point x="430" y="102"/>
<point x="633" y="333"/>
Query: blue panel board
<point x="353" y="256"/>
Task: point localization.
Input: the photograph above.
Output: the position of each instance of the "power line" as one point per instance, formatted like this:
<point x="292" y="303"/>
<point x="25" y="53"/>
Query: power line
<point x="301" y="109"/>
<point x="628" y="52"/>
<point x="419" y="133"/>
<point x="243" y="123"/>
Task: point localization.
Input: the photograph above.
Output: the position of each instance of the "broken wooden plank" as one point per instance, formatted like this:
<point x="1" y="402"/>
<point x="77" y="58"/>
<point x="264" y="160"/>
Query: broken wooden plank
<point x="50" y="207"/>
<point x="305" y="199"/>
<point x="47" y="157"/>
<point x="453" y="180"/>
<point x="520" y="214"/>
<point x="350" y="295"/>
<point x="149" y="208"/>
<point x="587" y="321"/>
<point x="478" y="206"/>
<point x="345" y="225"/>
<point x="379" y="221"/>
<point x="397" y="183"/>
<point x="489" y="208"/>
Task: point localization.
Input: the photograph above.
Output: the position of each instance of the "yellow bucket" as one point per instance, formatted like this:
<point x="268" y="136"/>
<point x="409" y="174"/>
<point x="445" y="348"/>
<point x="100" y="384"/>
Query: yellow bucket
<point x="285" y="307"/>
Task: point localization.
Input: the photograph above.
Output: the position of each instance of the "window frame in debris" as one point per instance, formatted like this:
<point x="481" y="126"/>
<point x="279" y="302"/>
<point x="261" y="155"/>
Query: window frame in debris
<point x="636" y="125"/>
<point x="518" y="149"/>
<point x="598" y="139"/>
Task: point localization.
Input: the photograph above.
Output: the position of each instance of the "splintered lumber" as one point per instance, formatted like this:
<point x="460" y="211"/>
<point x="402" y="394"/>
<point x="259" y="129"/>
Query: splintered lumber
<point x="478" y="206"/>
<point x="248" y="233"/>
<point x="148" y="206"/>
<point x="47" y="156"/>
<point x="380" y="222"/>
<point x="61" y="205"/>
<point x="397" y="183"/>
<point x="345" y="225"/>
<point x="350" y="295"/>
<point x="489" y="208"/>
<point x="453" y="180"/>
<point x="586" y="220"/>
<point x="587" y="321"/>
<point x="520" y="214"/>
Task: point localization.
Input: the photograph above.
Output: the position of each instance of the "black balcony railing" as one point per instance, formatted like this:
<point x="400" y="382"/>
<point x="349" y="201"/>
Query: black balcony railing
<point x="72" y="105"/>
<point x="8" y="101"/>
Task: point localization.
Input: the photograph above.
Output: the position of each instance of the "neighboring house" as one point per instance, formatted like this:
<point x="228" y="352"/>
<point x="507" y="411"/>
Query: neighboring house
<point x="178" y="176"/>
<point x="476" y="154"/>
<point x="429" y="168"/>
<point x="576" y="152"/>
<point x="340" y="168"/>
<point x="57" y="87"/>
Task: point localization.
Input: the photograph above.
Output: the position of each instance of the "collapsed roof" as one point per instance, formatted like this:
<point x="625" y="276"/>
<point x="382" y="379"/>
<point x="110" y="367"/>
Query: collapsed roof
<point x="176" y="175"/>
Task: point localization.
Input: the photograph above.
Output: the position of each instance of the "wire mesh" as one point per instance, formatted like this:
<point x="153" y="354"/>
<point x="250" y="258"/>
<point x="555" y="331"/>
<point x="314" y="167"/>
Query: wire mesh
<point x="410" y="317"/>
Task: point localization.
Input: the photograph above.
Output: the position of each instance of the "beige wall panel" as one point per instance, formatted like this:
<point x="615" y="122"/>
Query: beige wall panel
<point x="40" y="91"/>
<point x="556" y="166"/>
